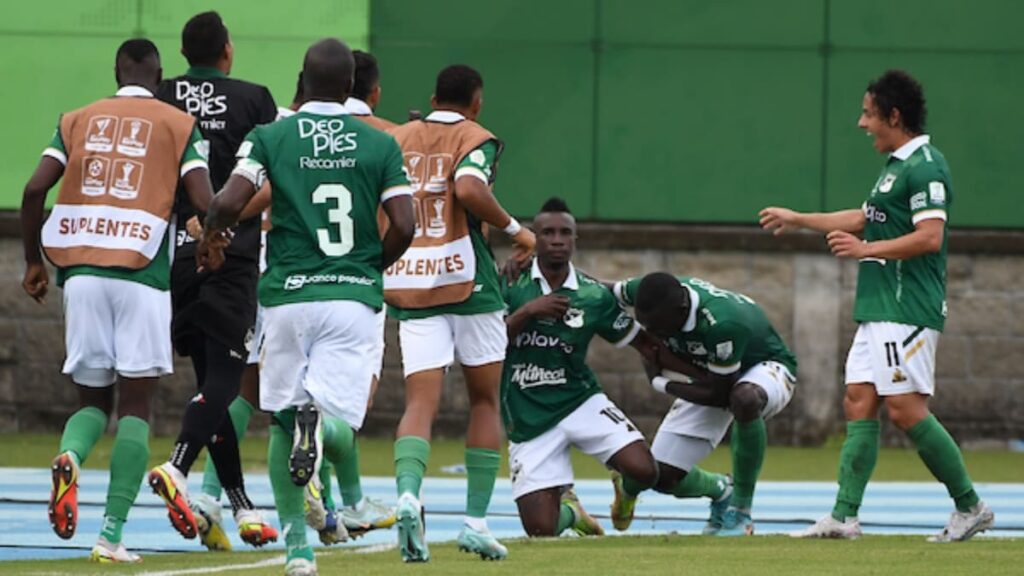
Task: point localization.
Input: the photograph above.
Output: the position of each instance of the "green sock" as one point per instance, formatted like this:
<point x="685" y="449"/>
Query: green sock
<point x="749" y="441"/>
<point x="348" y="477"/>
<point x="240" y="411"/>
<point x="288" y="498"/>
<point x="81" y="432"/>
<point x="128" y="462"/>
<point x="566" y="518"/>
<point x="327" y="493"/>
<point x="411" y="456"/>
<point x="857" y="461"/>
<point x="699" y="483"/>
<point x="338" y="439"/>
<point x="942" y="456"/>
<point x="481" y="470"/>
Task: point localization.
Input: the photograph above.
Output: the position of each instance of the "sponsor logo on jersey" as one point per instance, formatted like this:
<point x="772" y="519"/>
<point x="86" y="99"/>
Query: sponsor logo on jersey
<point x="918" y="201"/>
<point x="622" y="322"/>
<point x="530" y="375"/>
<point x="873" y="214"/>
<point x="573" y="318"/>
<point x="299" y="281"/>
<point x="327" y="135"/>
<point x="724" y="350"/>
<point x="886" y="184"/>
<point x="534" y="339"/>
<point x="937" y="192"/>
<point x="202" y="100"/>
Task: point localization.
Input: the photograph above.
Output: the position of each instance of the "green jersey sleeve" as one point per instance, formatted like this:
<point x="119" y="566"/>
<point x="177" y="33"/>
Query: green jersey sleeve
<point x="395" y="181"/>
<point x="479" y="163"/>
<point x="625" y="291"/>
<point x="56" y="148"/>
<point x="252" y="159"/>
<point x="726" y="343"/>
<point x="614" y="325"/>
<point x="197" y="152"/>
<point x="929" y="195"/>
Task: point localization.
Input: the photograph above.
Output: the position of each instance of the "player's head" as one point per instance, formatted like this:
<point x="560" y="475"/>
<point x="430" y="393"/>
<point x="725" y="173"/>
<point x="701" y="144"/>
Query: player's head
<point x="662" y="304"/>
<point x="205" y="42"/>
<point x="460" y="89"/>
<point x="893" y="110"/>
<point x="555" y="227"/>
<point x="138" y="63"/>
<point x="367" y="83"/>
<point x="327" y="71"/>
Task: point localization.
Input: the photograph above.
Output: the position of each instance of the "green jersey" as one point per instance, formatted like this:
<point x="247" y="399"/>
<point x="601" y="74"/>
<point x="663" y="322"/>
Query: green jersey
<point x="546" y="377"/>
<point x="156" y="274"/>
<point x="725" y="333"/>
<point x="914" y="186"/>
<point x="486" y="296"/>
<point x="328" y="174"/>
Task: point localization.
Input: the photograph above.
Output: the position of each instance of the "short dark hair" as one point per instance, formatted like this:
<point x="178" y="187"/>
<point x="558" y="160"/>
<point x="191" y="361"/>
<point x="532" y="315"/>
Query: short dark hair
<point x="899" y="90"/>
<point x="367" y="74"/>
<point x="555" y="204"/>
<point x="300" y="91"/>
<point x="657" y="289"/>
<point x="203" y="39"/>
<point x="457" y="85"/>
<point x="137" y="50"/>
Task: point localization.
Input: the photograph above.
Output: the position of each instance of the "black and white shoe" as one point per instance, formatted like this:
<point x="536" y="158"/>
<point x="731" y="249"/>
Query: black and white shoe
<point x="307" y="445"/>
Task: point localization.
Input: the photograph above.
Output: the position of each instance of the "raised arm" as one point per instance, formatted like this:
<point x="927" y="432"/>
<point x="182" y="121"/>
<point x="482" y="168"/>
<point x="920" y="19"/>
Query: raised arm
<point x="782" y="220"/>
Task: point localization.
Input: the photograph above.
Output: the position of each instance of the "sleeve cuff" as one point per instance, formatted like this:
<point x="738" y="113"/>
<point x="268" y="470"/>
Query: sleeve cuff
<point x="617" y="291"/>
<point x="56" y="155"/>
<point x="471" y="171"/>
<point x="395" y="191"/>
<point x="930" y="214"/>
<point x="252" y="171"/>
<point x="192" y="165"/>
<point x="723" y="370"/>
<point x="629" y="337"/>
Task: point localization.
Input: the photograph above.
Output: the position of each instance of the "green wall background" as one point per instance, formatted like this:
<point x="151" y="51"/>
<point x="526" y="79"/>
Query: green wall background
<point x="58" y="55"/>
<point x="706" y="111"/>
<point x="652" y="110"/>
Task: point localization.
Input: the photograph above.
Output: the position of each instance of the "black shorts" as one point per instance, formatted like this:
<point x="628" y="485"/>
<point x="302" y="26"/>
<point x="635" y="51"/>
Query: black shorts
<point x="220" y="305"/>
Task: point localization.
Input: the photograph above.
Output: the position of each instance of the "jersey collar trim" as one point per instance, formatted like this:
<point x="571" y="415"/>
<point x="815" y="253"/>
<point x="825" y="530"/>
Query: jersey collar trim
<point x="445" y="116"/>
<point x="323" y="108"/>
<point x="904" y="152"/>
<point x="204" y="72"/>
<point x="136" y="91"/>
<point x="571" y="282"/>
<point x="691" y="320"/>
<point x="357" y="107"/>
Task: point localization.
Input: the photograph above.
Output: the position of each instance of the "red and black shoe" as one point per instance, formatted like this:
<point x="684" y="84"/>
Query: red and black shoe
<point x="63" y="509"/>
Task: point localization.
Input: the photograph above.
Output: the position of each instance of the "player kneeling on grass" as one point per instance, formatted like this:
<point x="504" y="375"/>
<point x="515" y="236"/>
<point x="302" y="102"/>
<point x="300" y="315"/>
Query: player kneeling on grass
<point x="734" y="365"/>
<point x="550" y="398"/>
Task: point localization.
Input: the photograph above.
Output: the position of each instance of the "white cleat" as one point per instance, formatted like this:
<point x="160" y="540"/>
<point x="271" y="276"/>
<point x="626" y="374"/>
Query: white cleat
<point x="316" y="513"/>
<point x="106" y="552"/>
<point x="300" y="567"/>
<point x="829" y="527"/>
<point x="962" y="526"/>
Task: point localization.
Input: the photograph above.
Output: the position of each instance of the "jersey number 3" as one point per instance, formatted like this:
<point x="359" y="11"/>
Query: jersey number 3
<point x="340" y="216"/>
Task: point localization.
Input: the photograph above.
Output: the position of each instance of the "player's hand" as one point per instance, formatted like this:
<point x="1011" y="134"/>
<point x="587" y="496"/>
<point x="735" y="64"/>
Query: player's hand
<point x="523" y="244"/>
<point x="210" y="251"/>
<point x="194" y="228"/>
<point x="36" y="282"/>
<point x="514" y="268"/>
<point x="846" y="245"/>
<point x="779" y="220"/>
<point x="549" y="306"/>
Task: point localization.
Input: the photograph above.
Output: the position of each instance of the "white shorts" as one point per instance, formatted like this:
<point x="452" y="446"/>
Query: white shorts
<point x="253" y="343"/>
<point x="115" y="327"/>
<point x="436" y="342"/>
<point x="317" y="351"/>
<point x="597" y="428"/>
<point x="709" y="424"/>
<point x="896" y="358"/>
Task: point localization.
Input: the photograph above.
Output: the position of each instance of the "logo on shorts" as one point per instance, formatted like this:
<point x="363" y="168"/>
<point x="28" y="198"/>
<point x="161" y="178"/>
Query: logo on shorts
<point x="898" y="376"/>
<point x="573" y="318"/>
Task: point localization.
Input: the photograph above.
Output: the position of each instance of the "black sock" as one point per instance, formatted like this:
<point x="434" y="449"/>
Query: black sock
<point x="223" y="449"/>
<point x="206" y="412"/>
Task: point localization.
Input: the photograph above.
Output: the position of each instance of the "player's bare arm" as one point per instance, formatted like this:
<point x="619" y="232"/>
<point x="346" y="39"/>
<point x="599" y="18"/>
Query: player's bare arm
<point x="925" y="239"/>
<point x="258" y="203"/>
<point x="547" y="306"/>
<point x="478" y="199"/>
<point x="223" y="211"/>
<point x="48" y="172"/>
<point x="400" y="231"/>
<point x="781" y="220"/>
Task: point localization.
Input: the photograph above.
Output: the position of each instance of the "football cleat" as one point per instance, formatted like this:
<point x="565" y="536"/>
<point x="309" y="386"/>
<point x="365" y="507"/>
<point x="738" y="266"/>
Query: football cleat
<point x="63" y="509"/>
<point x="829" y="527"/>
<point x="583" y="524"/>
<point x="105" y="552"/>
<point x="623" y="506"/>
<point x="170" y="485"/>
<point x="368" y="514"/>
<point x="207" y="513"/>
<point x="333" y="531"/>
<point x="316" y="512"/>
<point x="735" y="522"/>
<point x="300" y="567"/>
<point x="253" y="530"/>
<point x="307" y="445"/>
<point x="718" y="509"/>
<point x="412" y="542"/>
<point x="483" y="544"/>
<point x="962" y="526"/>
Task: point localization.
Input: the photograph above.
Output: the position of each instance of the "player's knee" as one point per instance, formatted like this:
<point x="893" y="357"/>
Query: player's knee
<point x="747" y="401"/>
<point x="906" y="416"/>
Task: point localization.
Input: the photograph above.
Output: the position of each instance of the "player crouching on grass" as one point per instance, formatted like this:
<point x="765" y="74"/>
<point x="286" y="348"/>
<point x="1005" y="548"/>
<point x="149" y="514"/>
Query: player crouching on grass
<point x="550" y="398"/>
<point x="732" y="365"/>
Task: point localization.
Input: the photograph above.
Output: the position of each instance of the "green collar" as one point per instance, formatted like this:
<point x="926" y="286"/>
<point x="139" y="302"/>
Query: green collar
<point x="204" y="72"/>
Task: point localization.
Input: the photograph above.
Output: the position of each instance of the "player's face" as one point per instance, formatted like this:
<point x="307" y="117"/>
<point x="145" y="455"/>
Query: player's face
<point x="876" y="125"/>
<point x="556" y="237"/>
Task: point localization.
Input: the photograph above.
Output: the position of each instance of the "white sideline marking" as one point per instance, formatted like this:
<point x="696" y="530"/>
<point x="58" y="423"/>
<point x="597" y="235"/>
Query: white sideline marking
<point x="374" y="548"/>
<point x="275" y="561"/>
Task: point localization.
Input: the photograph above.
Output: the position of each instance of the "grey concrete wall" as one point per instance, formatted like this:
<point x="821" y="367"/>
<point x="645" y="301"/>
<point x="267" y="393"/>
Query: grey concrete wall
<point x="807" y="294"/>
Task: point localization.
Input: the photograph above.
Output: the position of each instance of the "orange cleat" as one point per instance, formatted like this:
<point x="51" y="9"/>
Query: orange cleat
<point x="169" y="484"/>
<point x="63" y="507"/>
